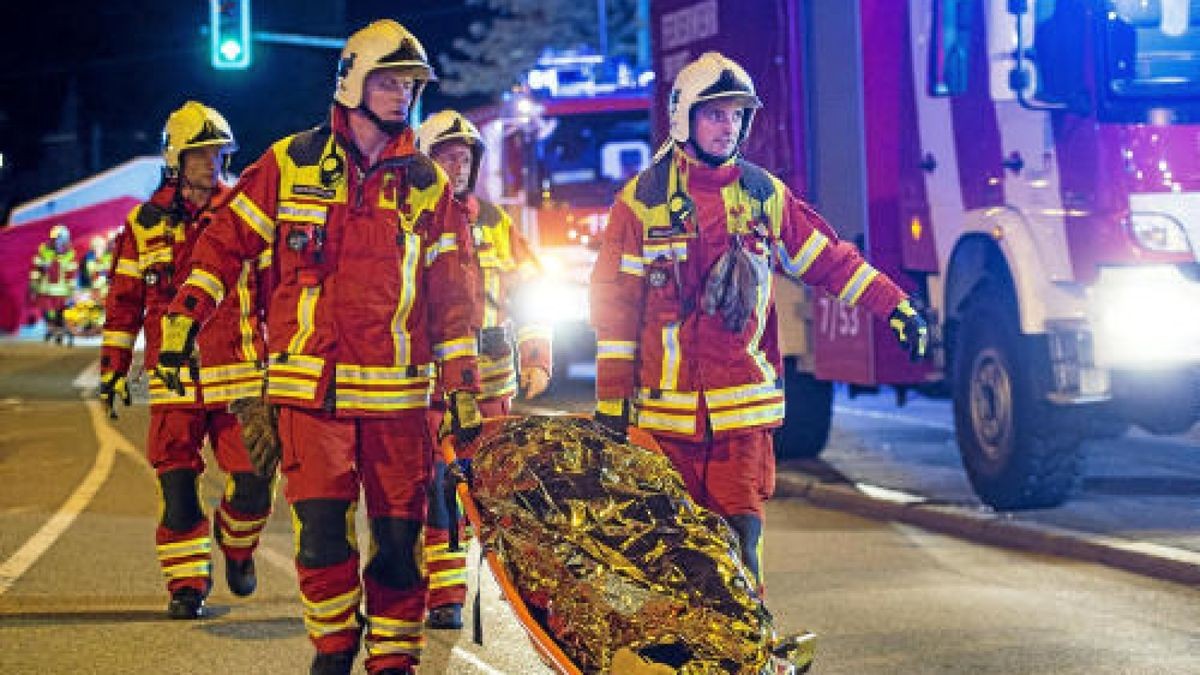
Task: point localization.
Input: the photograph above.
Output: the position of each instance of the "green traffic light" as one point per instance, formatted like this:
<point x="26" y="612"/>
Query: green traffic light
<point x="231" y="50"/>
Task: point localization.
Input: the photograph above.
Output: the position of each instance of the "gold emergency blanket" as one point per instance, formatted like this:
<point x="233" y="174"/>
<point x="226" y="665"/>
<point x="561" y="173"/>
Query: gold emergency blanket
<point x="603" y="542"/>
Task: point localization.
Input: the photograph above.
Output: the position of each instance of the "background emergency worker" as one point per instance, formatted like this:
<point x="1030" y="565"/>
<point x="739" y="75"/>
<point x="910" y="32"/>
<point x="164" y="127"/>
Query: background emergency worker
<point x="97" y="266"/>
<point x="52" y="276"/>
<point x="369" y="291"/>
<point x="152" y="259"/>
<point x="683" y="304"/>
<point x="503" y="263"/>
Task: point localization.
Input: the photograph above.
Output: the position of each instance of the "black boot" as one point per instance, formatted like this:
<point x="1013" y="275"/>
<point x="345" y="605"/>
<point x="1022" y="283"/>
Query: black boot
<point x="186" y="603"/>
<point x="445" y="617"/>
<point x="239" y="574"/>
<point x="335" y="663"/>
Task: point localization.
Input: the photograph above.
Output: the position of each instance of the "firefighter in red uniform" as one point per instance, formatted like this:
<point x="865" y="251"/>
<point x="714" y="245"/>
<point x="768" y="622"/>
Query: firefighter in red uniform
<point x="683" y="305"/>
<point x="52" y="278"/>
<point x="370" y="293"/>
<point x="151" y="263"/>
<point x="504" y="263"/>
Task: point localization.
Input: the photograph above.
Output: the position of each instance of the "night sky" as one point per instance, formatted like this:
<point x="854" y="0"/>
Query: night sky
<point x="86" y="85"/>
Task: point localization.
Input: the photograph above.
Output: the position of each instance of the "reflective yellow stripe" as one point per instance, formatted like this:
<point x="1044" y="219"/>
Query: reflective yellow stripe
<point x="320" y="628"/>
<point x="858" y="283"/>
<point x="633" y="265"/>
<point x="442" y="553"/>
<point x="332" y="606"/>
<point x="265" y="258"/>
<point x="207" y="282"/>
<point x="671" y="356"/>
<point x="747" y="417"/>
<point x="446" y="243"/>
<point x="158" y="255"/>
<point x="306" y="309"/>
<point x="672" y="400"/>
<point x="246" y="310"/>
<point x="451" y="349"/>
<point x="199" y="568"/>
<point x="234" y="541"/>
<point x="298" y="364"/>
<point x="448" y="578"/>
<point x="129" y="268"/>
<point x="763" y="296"/>
<point x="234" y="525"/>
<point x="119" y="339"/>
<point x="805" y="257"/>
<point x="181" y="549"/>
<point x="307" y="213"/>
<point x="253" y="216"/>
<point x="616" y="349"/>
<point x="383" y="375"/>
<point x="740" y="395"/>
<point x="228" y="372"/>
<point x="288" y="388"/>
<point x="401" y="342"/>
<point x="491" y="286"/>
<point x="388" y="627"/>
<point x="653" y="420"/>
<point x="383" y="400"/>
<point x="407" y="646"/>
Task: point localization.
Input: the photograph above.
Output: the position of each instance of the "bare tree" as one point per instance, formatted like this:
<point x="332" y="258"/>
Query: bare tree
<point x="501" y="49"/>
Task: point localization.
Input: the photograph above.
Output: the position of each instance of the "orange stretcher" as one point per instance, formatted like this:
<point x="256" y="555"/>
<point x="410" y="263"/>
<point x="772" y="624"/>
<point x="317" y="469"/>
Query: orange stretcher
<point x="545" y="645"/>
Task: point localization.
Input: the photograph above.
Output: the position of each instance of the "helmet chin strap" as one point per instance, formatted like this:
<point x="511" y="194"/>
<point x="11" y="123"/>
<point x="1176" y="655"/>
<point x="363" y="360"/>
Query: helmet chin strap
<point x="709" y="158"/>
<point x="389" y="128"/>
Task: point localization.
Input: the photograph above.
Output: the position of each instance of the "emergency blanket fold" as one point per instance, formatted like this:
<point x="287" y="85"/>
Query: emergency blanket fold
<point x="611" y="554"/>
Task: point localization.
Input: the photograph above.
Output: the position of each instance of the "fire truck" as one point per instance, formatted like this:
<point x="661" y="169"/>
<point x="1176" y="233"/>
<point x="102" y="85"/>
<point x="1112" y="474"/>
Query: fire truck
<point x="559" y="147"/>
<point x="1028" y="169"/>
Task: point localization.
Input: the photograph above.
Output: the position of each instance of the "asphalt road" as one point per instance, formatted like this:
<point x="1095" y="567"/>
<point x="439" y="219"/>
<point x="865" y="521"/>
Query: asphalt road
<point x="80" y="590"/>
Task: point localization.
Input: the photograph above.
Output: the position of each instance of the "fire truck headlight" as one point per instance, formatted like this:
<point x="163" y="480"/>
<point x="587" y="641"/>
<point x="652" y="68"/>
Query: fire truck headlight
<point x="1159" y="232"/>
<point x="1145" y="316"/>
<point x="550" y="301"/>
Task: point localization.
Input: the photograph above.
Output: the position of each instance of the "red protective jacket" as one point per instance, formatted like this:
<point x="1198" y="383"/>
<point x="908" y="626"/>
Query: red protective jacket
<point x="683" y="370"/>
<point x="505" y="263"/>
<point x="153" y="255"/>
<point x="369" y="285"/>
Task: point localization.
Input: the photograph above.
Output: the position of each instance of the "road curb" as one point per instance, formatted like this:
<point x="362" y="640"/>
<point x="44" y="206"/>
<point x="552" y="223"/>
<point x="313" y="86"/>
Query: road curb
<point x="989" y="527"/>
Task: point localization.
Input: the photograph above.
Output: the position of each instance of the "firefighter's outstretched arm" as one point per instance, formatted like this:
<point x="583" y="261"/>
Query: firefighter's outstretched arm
<point x="242" y="227"/>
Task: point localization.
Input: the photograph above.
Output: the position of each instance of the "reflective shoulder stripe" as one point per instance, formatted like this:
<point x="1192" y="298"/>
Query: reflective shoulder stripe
<point x="252" y="215"/>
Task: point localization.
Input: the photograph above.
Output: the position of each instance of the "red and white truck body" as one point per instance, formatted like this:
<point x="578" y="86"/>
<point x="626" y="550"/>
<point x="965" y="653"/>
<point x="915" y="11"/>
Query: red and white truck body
<point x="1028" y="169"/>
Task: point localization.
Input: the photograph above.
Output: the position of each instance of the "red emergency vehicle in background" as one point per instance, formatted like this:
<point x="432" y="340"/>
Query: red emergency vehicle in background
<point x="558" y="149"/>
<point x="1030" y="169"/>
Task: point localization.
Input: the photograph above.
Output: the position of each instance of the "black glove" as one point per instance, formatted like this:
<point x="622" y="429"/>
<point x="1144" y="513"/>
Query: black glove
<point x="178" y="343"/>
<point x="112" y="386"/>
<point x="910" y="329"/>
<point x="613" y="414"/>
<point x="462" y="418"/>
<point x="259" y="419"/>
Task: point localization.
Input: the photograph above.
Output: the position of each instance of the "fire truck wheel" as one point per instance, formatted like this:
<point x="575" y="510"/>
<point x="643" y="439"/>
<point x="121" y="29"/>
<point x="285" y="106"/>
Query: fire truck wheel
<point x="1019" y="451"/>
<point x="807" y="414"/>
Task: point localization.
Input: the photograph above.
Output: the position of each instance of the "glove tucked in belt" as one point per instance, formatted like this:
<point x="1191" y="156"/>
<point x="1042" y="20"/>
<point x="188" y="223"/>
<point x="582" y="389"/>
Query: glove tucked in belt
<point x="259" y="421"/>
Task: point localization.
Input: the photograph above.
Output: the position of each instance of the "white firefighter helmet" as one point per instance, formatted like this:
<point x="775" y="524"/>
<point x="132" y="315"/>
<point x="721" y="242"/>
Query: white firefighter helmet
<point x="712" y="76"/>
<point x="194" y="125"/>
<point x="382" y="44"/>
<point x="449" y="125"/>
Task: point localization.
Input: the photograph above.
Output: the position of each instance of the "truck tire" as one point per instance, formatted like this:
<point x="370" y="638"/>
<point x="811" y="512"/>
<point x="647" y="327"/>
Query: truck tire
<point x="807" y="414"/>
<point x="1017" y="452"/>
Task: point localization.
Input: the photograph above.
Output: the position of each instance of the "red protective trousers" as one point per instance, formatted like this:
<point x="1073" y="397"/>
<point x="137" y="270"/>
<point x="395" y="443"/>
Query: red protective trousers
<point x="729" y="475"/>
<point x="329" y="460"/>
<point x="183" y="534"/>
<point x="448" y="569"/>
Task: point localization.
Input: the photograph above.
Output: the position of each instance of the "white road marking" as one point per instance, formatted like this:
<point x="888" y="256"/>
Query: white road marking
<point x="893" y="417"/>
<point x="109" y="443"/>
<point x="475" y="661"/>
